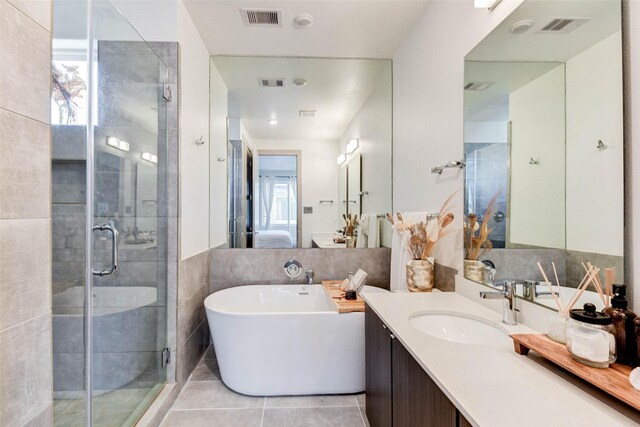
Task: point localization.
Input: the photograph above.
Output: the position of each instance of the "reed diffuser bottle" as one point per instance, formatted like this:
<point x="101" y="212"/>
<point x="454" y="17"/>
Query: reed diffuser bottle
<point x="623" y="323"/>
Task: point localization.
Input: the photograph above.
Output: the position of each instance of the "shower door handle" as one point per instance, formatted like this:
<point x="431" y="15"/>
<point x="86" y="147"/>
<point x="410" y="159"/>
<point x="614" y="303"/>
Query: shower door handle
<point x="114" y="249"/>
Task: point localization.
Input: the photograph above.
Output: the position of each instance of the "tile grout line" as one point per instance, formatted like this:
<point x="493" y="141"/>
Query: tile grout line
<point x="364" y="424"/>
<point x="264" y="409"/>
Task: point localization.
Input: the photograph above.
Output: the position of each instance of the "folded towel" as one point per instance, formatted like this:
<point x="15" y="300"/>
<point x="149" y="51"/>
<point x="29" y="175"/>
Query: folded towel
<point x="368" y="231"/>
<point x="363" y="231"/>
<point x="373" y="233"/>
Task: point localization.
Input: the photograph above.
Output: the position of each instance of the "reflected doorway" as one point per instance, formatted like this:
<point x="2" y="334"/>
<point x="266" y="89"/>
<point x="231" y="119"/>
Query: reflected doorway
<point x="277" y="209"/>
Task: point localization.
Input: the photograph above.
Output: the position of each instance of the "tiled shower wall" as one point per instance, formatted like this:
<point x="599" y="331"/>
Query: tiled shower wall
<point x="25" y="214"/>
<point x="130" y="67"/>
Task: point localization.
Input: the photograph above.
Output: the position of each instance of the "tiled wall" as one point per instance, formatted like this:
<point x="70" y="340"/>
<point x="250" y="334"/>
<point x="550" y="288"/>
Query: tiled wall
<point x="25" y="214"/>
<point x="520" y="264"/>
<point x="192" y="335"/>
<point x="236" y="267"/>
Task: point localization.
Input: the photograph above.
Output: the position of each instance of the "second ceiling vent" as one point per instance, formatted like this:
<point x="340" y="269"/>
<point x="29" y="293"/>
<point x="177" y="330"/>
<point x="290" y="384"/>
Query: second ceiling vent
<point x="261" y="17"/>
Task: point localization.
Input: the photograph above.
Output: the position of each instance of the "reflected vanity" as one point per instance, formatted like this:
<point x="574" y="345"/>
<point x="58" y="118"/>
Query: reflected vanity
<point x="544" y="131"/>
<point x="306" y="144"/>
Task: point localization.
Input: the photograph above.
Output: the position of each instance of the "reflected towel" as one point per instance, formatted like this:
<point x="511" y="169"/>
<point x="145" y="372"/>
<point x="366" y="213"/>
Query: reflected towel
<point x="363" y="231"/>
<point x="368" y="231"/>
<point x="374" y="231"/>
<point x="399" y="255"/>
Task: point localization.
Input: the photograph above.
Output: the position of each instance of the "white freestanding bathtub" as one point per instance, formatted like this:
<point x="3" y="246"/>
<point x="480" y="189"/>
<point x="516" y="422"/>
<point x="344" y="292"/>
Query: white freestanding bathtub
<point x="278" y="340"/>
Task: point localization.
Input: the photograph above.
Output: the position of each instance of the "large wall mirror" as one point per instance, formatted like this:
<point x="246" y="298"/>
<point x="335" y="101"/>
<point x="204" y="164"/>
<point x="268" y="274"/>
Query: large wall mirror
<point x="306" y="147"/>
<point x="543" y="142"/>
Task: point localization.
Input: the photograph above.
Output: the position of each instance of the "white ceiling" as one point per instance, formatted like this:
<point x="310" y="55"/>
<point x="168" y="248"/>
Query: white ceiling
<point x="512" y="61"/>
<point x="342" y="29"/>
<point x="336" y="89"/>
<point x="501" y="45"/>
<point x="492" y="104"/>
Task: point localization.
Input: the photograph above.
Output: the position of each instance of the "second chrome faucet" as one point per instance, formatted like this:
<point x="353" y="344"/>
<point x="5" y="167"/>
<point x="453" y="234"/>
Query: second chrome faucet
<point x="508" y="294"/>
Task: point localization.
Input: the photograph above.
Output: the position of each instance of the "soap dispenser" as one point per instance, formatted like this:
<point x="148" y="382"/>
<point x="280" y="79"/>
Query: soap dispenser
<point x="623" y="323"/>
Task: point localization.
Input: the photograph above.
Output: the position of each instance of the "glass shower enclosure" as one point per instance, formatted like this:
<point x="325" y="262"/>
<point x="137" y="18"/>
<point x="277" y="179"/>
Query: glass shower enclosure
<point x="109" y="163"/>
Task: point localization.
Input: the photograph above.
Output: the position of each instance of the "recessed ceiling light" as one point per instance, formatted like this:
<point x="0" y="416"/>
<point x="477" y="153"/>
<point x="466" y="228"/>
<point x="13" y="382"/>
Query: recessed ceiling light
<point x="273" y="121"/>
<point x="303" y="20"/>
<point x="299" y="82"/>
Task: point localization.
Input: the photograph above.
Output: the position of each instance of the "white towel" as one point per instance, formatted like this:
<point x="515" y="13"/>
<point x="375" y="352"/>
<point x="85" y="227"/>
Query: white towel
<point x="374" y="231"/>
<point x="363" y="231"/>
<point x="399" y="255"/>
<point x="368" y="231"/>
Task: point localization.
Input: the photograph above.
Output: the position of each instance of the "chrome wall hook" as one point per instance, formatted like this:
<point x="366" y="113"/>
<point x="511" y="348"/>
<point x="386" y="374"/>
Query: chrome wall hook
<point x="533" y="161"/>
<point x="601" y="145"/>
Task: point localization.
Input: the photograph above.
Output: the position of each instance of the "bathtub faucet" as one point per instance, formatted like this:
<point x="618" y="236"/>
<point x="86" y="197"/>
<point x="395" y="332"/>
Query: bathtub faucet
<point x="310" y="276"/>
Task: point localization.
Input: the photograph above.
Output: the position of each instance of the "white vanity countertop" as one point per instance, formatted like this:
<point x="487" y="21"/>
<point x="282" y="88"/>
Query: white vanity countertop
<point x="494" y="386"/>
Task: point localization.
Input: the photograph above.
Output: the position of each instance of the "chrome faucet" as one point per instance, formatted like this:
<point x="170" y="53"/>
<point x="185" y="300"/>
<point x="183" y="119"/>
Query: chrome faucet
<point x="530" y="290"/>
<point x="508" y="294"/>
<point x="310" y="277"/>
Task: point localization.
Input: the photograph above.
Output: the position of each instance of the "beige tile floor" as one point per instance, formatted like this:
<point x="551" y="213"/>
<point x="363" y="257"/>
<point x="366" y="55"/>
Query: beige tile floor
<point x="206" y="401"/>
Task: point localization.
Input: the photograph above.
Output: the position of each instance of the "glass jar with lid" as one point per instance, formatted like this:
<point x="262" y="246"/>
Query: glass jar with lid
<point x="590" y="337"/>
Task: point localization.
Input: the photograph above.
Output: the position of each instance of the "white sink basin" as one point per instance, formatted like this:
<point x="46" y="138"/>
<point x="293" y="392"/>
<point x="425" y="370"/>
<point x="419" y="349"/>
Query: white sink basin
<point x="451" y="327"/>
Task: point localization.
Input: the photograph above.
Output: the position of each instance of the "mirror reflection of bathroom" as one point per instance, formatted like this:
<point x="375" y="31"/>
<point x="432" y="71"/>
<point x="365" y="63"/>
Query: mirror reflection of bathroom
<point x="544" y="146"/>
<point x="336" y="114"/>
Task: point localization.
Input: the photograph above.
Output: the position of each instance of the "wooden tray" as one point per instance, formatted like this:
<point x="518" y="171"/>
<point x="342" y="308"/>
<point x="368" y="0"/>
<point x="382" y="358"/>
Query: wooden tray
<point x="337" y="296"/>
<point x="613" y="380"/>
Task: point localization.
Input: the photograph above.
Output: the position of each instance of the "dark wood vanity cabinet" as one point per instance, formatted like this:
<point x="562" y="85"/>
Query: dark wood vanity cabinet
<point x="399" y="392"/>
<point x="378" y="370"/>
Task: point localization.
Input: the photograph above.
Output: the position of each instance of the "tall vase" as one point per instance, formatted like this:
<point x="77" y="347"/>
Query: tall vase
<point x="420" y="275"/>
<point x="474" y="270"/>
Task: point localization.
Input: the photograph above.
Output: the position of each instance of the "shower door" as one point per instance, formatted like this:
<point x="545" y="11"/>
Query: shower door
<point x="110" y="218"/>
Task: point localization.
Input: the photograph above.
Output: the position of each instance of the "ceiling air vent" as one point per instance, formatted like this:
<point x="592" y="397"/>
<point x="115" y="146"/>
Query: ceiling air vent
<point x="307" y="113"/>
<point x="270" y="82"/>
<point x="562" y="25"/>
<point x="477" y="86"/>
<point x="261" y="17"/>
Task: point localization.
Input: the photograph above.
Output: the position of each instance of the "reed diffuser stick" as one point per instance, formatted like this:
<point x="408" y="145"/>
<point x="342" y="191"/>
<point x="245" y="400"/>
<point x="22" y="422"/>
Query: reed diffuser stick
<point x="546" y="280"/>
<point x="553" y="264"/>
<point x="597" y="284"/>
<point x="588" y="278"/>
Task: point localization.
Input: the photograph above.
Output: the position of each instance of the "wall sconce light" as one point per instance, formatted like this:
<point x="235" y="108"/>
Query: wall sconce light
<point x="486" y="4"/>
<point x="114" y="142"/>
<point x="352" y="145"/>
<point x="341" y="159"/>
<point x="152" y="158"/>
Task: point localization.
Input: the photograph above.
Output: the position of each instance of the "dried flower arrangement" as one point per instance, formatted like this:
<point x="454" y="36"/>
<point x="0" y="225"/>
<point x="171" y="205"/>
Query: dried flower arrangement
<point x="420" y="239"/>
<point x="476" y="234"/>
<point x="67" y="86"/>
<point x="351" y="223"/>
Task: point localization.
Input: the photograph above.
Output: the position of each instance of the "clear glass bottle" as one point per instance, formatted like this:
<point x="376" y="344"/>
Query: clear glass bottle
<point x="350" y="293"/>
<point x="557" y="329"/>
<point x="590" y="337"/>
